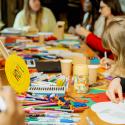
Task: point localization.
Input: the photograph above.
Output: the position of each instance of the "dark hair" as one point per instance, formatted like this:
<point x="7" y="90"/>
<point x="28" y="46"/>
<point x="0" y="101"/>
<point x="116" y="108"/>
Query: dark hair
<point x="94" y="11"/>
<point x="115" y="7"/>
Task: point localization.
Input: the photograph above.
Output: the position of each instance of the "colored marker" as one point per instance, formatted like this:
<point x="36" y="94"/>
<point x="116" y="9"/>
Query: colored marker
<point x="75" y="119"/>
<point x="55" y="114"/>
<point x="36" y="98"/>
<point x="105" y="55"/>
<point x="44" y="111"/>
<point x="37" y="103"/>
<point x="48" y="123"/>
<point x="47" y="108"/>
<point x="65" y="110"/>
<point x="42" y="104"/>
<point x="51" y="120"/>
<point x="62" y="118"/>
<point x="63" y="115"/>
<point x="54" y="110"/>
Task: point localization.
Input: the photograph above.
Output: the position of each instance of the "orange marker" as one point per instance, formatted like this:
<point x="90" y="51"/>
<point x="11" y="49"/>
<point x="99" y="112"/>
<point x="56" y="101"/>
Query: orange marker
<point x="80" y="109"/>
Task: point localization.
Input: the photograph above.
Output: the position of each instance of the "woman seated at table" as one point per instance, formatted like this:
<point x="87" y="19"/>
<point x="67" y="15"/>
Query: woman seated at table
<point x="91" y="9"/>
<point x="108" y="9"/>
<point x="34" y="17"/>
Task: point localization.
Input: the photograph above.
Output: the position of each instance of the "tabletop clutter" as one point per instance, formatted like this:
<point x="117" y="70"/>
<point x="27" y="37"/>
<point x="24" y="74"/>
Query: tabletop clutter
<point x="47" y="100"/>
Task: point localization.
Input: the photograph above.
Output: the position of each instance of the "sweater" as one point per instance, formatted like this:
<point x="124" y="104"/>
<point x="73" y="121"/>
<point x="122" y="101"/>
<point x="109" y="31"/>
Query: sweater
<point x="48" y="21"/>
<point x="96" y="43"/>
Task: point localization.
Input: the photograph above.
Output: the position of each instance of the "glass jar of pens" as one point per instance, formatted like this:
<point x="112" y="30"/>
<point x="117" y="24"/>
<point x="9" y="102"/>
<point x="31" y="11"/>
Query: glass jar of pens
<point x="81" y="77"/>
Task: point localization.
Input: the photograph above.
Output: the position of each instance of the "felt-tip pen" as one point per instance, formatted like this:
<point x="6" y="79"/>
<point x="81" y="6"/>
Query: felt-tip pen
<point x="48" y="123"/>
<point x="63" y="115"/>
<point x="63" y="118"/>
<point x="105" y="55"/>
<point x="58" y="120"/>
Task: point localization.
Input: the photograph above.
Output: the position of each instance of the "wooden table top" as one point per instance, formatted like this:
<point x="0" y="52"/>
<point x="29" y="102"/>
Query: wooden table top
<point x="85" y="50"/>
<point x="88" y="112"/>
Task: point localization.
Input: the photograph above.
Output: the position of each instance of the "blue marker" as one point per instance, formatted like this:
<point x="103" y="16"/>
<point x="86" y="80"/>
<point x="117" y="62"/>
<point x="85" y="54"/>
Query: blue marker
<point x="48" y="123"/>
<point x="49" y="119"/>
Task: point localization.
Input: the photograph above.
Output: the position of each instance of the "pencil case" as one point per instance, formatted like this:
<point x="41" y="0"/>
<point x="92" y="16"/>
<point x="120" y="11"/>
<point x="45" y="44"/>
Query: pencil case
<point x="48" y="66"/>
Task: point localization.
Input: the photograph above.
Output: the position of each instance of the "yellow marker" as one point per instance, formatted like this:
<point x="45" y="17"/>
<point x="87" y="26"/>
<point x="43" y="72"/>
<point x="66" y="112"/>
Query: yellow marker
<point x="60" y="82"/>
<point x="17" y="73"/>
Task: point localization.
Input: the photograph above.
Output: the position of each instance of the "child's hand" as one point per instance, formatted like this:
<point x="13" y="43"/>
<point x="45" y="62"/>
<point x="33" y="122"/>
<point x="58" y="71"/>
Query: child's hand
<point x="113" y="89"/>
<point x="82" y="31"/>
<point x="106" y="63"/>
<point x="14" y="114"/>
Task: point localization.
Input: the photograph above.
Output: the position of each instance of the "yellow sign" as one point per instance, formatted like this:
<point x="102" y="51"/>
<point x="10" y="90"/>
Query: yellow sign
<point x="17" y="73"/>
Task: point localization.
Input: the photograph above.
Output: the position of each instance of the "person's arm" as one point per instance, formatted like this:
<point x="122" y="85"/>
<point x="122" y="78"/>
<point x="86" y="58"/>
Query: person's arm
<point x="51" y="21"/>
<point x="19" y="20"/>
<point x="95" y="43"/>
<point x="20" y="24"/>
<point x="92" y="40"/>
<point x="115" y="88"/>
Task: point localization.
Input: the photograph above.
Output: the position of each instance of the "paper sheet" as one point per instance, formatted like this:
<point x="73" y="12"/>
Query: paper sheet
<point x="110" y="112"/>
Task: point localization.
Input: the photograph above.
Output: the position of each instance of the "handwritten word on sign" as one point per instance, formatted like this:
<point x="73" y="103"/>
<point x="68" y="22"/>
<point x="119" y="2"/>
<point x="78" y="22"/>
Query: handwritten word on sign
<point x="17" y="73"/>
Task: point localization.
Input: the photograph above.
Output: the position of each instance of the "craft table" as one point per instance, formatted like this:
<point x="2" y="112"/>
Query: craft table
<point x="86" y="51"/>
<point x="88" y="112"/>
<point x="83" y="115"/>
<point x="93" y="118"/>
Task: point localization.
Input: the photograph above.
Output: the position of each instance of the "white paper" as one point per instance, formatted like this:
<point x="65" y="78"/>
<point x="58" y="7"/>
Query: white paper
<point x="110" y="112"/>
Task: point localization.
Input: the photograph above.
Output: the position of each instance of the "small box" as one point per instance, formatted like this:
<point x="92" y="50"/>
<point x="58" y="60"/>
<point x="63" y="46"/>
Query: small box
<point x="52" y="66"/>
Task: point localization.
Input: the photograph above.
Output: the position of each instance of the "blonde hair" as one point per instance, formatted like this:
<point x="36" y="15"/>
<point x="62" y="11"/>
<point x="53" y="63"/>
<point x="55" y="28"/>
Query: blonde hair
<point x="114" y="39"/>
<point x="28" y="12"/>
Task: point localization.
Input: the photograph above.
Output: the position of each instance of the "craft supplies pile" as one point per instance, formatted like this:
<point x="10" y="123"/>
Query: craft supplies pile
<point x="45" y="94"/>
<point x="46" y="101"/>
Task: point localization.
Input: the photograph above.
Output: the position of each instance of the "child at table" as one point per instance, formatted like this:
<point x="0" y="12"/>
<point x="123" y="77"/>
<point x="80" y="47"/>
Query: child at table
<point x="114" y="39"/>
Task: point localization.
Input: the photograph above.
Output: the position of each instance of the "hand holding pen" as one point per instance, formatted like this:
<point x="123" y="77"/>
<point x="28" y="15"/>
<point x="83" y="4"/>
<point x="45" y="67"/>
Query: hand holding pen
<point x="106" y="62"/>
